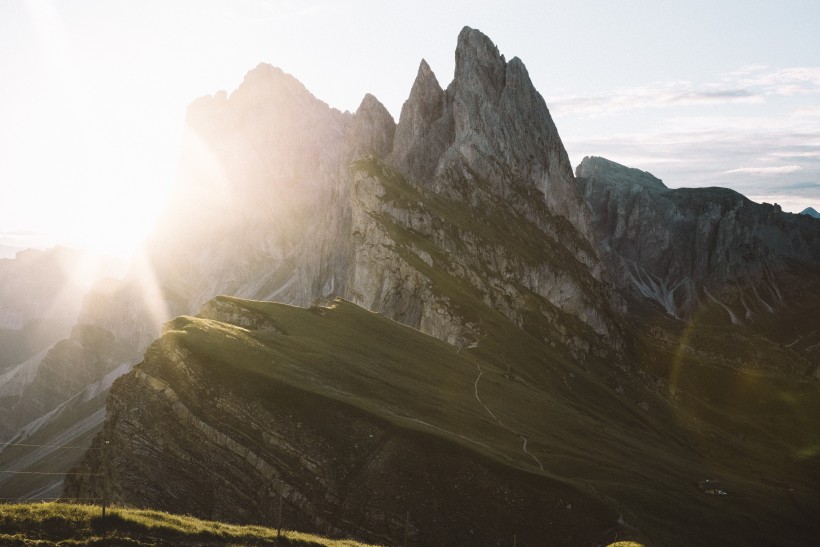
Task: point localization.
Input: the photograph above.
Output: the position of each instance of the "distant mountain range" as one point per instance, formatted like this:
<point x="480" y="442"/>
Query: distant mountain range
<point x="433" y="332"/>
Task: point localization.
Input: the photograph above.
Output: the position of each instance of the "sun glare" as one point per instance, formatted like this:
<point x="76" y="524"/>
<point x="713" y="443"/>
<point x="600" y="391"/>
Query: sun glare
<point x="84" y="185"/>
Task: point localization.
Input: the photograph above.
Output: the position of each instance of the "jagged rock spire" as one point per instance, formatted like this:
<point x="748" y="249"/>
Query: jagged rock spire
<point x="425" y="128"/>
<point x="490" y="122"/>
<point x="372" y="130"/>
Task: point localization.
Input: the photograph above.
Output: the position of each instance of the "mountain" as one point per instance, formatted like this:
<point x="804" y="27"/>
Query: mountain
<point x="689" y="249"/>
<point x="811" y="212"/>
<point x="41" y="294"/>
<point x="43" y="375"/>
<point x="438" y="310"/>
<point x="280" y="197"/>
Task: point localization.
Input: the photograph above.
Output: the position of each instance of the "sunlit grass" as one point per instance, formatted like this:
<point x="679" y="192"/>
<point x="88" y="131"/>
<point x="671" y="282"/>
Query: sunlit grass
<point x="46" y="524"/>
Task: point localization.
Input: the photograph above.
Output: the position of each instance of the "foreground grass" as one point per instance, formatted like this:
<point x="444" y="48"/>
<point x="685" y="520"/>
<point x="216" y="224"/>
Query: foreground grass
<point x="47" y="524"/>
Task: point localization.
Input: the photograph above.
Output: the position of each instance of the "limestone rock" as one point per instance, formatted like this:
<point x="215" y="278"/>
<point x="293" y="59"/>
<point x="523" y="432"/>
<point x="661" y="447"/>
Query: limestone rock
<point x="372" y="129"/>
<point x="680" y="247"/>
<point x="425" y="128"/>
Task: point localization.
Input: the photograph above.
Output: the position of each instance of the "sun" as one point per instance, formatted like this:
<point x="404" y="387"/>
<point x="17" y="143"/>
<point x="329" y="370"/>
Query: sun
<point x="105" y="226"/>
<point x="79" y="178"/>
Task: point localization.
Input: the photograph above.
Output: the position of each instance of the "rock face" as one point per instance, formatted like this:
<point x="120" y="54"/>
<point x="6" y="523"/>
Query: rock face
<point x="492" y="124"/>
<point x="41" y="294"/>
<point x="289" y="219"/>
<point x="680" y="247"/>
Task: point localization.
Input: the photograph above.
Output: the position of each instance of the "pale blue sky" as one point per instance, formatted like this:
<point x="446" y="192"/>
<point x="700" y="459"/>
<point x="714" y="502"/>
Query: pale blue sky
<point x="93" y="92"/>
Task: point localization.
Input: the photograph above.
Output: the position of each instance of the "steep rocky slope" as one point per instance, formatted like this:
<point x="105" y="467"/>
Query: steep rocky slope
<point x="692" y="249"/>
<point x="40" y="297"/>
<point x="41" y="294"/>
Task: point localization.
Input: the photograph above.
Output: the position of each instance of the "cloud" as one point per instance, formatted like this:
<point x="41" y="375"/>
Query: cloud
<point x="807" y="111"/>
<point x="764" y="170"/>
<point x="801" y="186"/>
<point x="657" y="95"/>
<point x="748" y="85"/>
<point x="785" y="81"/>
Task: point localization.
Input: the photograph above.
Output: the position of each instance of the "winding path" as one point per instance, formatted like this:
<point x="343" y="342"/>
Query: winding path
<point x="502" y="424"/>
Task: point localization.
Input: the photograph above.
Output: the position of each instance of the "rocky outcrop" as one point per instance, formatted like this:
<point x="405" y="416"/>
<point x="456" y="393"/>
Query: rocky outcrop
<point x="681" y="247"/>
<point x="425" y="128"/>
<point x="492" y="124"/>
<point x="372" y="130"/>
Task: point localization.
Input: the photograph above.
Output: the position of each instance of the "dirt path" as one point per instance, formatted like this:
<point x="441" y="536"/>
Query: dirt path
<point x="502" y="424"/>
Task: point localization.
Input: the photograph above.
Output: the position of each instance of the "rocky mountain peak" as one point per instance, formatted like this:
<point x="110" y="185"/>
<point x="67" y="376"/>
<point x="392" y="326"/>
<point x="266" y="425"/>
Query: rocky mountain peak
<point x="479" y="65"/>
<point x="372" y="130"/>
<point x="423" y="132"/>
<point x="597" y="170"/>
<point x="491" y="124"/>
<point x="503" y="131"/>
<point x="269" y="76"/>
<point x="811" y="211"/>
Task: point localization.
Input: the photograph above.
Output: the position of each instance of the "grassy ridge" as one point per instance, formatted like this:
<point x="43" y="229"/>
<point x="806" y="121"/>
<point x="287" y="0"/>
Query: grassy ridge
<point x="46" y="524"/>
<point x="644" y="463"/>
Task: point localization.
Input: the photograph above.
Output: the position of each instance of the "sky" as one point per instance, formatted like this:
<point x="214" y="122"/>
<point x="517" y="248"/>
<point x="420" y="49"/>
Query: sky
<point x="93" y="92"/>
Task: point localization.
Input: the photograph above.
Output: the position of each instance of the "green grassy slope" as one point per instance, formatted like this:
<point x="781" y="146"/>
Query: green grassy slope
<point x="634" y="448"/>
<point x="48" y="524"/>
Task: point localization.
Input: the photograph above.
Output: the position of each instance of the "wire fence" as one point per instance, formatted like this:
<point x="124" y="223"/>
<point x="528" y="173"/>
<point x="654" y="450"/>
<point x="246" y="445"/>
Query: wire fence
<point x="45" y="500"/>
<point x="77" y="447"/>
<point x="49" y="473"/>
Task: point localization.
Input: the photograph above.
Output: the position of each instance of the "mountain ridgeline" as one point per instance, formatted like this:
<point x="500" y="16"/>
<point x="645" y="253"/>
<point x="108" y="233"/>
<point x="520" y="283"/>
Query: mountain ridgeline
<point x="433" y="332"/>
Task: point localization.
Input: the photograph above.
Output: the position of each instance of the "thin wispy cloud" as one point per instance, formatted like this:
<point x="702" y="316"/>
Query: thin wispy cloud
<point x="759" y="171"/>
<point x="809" y="111"/>
<point x="749" y="85"/>
<point x="658" y="95"/>
<point x="784" y="81"/>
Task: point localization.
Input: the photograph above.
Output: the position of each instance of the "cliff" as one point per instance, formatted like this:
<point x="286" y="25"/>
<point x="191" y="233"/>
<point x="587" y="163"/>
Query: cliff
<point x="692" y="249"/>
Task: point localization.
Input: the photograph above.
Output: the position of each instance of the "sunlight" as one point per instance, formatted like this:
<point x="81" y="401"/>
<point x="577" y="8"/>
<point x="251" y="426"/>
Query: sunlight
<point x="79" y="183"/>
<point x="149" y="292"/>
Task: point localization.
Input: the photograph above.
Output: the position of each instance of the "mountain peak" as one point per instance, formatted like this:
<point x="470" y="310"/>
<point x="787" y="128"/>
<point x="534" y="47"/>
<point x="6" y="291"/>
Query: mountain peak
<point x="479" y="65"/>
<point x="474" y="43"/>
<point x="597" y="169"/>
<point x="370" y="104"/>
<point x="425" y="72"/>
<point x="373" y="129"/>
<point x="810" y="211"/>
<point x="422" y="134"/>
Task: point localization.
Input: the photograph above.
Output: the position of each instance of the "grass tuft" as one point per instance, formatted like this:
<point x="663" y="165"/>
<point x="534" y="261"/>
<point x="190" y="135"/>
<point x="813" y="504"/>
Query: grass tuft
<point x="47" y="524"/>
